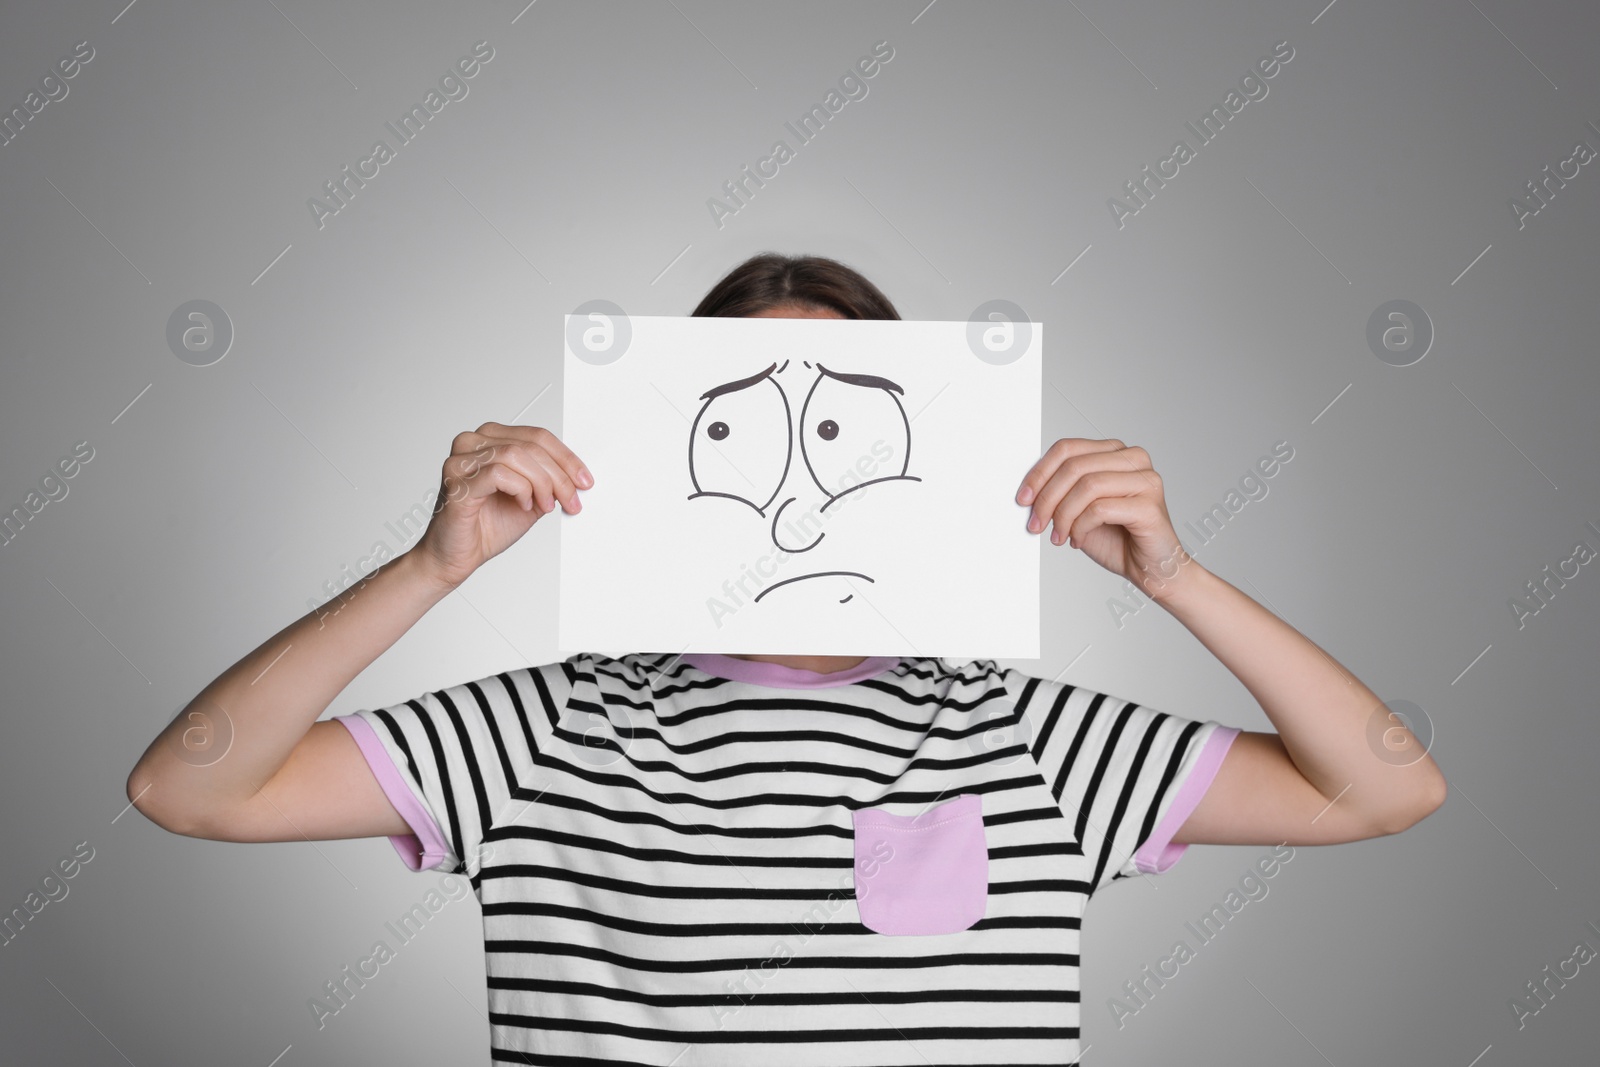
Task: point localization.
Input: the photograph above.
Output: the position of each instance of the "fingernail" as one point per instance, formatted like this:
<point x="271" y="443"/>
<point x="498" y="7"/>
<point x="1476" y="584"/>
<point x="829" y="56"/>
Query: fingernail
<point x="1025" y="495"/>
<point x="1033" y="524"/>
<point x="585" y="479"/>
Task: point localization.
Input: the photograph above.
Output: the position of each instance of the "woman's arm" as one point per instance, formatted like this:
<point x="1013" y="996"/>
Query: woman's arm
<point x="1324" y="776"/>
<point x="205" y="774"/>
<point x="246" y="760"/>
<point x="1319" y="779"/>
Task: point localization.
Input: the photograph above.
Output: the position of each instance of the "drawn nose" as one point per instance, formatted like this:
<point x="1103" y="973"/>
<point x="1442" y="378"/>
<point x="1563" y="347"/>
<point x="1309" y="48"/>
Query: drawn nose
<point x="798" y="529"/>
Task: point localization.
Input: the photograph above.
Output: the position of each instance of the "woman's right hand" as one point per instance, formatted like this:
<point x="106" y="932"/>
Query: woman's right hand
<point x="498" y="481"/>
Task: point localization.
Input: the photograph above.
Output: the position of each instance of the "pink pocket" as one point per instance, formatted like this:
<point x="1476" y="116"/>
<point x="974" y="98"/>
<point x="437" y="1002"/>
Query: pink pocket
<point x="925" y="873"/>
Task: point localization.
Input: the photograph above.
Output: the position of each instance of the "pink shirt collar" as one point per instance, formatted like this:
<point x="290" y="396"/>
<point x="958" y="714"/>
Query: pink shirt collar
<point x="777" y="676"/>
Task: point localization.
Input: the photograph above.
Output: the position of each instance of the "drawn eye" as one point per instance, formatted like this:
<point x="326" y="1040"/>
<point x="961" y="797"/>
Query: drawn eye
<point x="859" y="433"/>
<point x="739" y="444"/>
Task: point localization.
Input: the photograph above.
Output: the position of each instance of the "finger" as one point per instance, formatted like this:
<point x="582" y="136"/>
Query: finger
<point x="1061" y="480"/>
<point x="538" y="435"/>
<point x="540" y="467"/>
<point x="467" y="441"/>
<point x="1126" y="511"/>
<point x="1087" y="490"/>
<point x="492" y="478"/>
<point x="461" y="469"/>
<point x="568" y="459"/>
<point x="563" y="486"/>
<point x="549" y="487"/>
<point x="531" y="462"/>
<point x="511" y="482"/>
<point x="1053" y="457"/>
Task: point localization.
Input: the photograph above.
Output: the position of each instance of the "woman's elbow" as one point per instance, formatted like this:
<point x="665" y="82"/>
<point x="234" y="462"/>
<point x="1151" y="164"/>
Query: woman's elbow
<point x="143" y="795"/>
<point x="1404" y="818"/>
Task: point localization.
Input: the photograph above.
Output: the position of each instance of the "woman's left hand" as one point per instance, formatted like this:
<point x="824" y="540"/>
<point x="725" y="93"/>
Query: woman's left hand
<point x="1106" y="499"/>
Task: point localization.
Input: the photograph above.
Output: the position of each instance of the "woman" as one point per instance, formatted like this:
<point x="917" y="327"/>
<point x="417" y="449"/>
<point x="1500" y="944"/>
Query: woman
<point x="812" y="859"/>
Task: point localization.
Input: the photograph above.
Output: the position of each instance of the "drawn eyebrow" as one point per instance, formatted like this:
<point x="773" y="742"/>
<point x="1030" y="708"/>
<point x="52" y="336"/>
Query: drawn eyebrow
<point x="869" y="380"/>
<point x="742" y="383"/>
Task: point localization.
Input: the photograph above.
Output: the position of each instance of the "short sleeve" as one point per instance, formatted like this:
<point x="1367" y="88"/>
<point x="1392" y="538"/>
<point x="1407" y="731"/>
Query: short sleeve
<point x="449" y="760"/>
<point x="1125" y="776"/>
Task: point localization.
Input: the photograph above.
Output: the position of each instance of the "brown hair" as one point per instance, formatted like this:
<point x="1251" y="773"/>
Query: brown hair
<point x="771" y="280"/>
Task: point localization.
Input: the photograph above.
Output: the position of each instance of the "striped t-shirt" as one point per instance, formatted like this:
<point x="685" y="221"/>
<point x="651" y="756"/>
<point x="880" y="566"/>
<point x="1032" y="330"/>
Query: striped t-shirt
<point x="702" y="860"/>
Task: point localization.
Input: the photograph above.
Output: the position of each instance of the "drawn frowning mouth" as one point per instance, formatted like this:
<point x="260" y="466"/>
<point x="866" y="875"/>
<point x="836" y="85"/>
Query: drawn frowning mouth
<point x="815" y="574"/>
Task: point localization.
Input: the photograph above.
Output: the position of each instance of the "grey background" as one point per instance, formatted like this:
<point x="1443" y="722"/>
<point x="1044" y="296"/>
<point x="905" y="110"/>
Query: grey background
<point x="1228" y="314"/>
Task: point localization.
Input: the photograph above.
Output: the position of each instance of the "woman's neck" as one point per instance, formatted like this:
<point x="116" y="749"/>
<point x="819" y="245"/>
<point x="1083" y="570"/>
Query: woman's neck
<point x="818" y="664"/>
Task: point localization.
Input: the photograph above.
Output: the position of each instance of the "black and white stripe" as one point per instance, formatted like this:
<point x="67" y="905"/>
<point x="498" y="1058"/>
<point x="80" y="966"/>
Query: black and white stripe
<point x="697" y="889"/>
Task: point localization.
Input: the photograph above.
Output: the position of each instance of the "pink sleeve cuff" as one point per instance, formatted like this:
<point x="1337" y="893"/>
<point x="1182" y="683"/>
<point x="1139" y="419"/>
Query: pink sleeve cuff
<point x="425" y="847"/>
<point x="1159" y="853"/>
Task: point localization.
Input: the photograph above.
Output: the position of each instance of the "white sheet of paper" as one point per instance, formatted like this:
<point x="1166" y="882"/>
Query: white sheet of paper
<point x="818" y="510"/>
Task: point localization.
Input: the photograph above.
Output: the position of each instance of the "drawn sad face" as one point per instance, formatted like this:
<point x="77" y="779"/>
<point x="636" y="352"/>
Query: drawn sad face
<point x="852" y="431"/>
